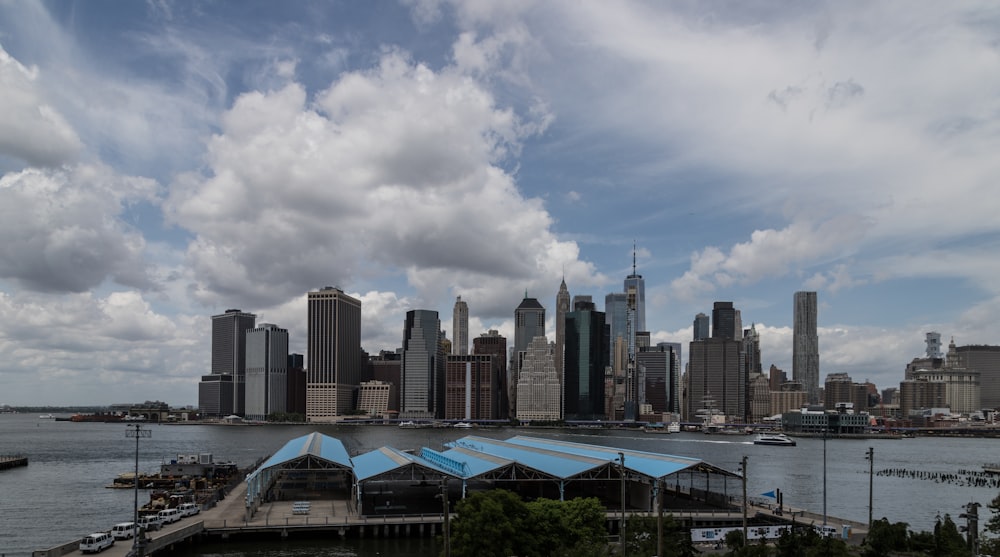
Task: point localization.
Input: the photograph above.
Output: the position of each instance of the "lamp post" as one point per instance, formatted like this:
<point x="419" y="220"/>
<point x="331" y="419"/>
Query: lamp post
<point x="447" y="512"/>
<point x="870" y="457"/>
<point x="138" y="433"/>
<point x="621" y="529"/>
<point x="826" y="429"/>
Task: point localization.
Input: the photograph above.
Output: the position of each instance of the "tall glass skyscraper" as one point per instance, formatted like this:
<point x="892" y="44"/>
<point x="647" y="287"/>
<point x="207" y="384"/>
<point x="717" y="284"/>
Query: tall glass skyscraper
<point x="422" y="378"/>
<point x="460" y="328"/>
<point x="229" y="342"/>
<point x="586" y="357"/>
<point x="805" y="344"/>
<point x="267" y="371"/>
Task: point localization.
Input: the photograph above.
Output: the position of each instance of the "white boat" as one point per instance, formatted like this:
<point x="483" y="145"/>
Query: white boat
<point x="674" y="427"/>
<point x="463" y="425"/>
<point x="46" y="417"/>
<point x="991" y="467"/>
<point x="774" y="439"/>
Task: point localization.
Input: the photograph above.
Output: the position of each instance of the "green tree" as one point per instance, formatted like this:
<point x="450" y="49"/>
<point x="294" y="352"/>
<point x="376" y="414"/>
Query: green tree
<point x="489" y="523"/>
<point x="641" y="533"/>
<point x="574" y="527"/>
<point x="885" y="537"/>
<point x="944" y="541"/>
<point x="990" y="543"/>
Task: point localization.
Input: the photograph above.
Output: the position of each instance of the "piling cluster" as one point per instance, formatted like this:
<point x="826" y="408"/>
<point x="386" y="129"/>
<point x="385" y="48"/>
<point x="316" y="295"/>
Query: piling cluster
<point x="963" y="478"/>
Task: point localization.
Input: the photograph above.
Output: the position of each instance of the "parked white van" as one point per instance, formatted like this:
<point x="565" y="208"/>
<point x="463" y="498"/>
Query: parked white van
<point x="169" y="516"/>
<point x="96" y="543"/>
<point x="124" y="531"/>
<point x="150" y="522"/>
<point x="189" y="509"/>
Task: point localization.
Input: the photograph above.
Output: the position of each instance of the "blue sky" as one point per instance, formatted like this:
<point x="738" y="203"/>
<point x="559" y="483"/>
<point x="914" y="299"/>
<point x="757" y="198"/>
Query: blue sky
<point x="161" y="162"/>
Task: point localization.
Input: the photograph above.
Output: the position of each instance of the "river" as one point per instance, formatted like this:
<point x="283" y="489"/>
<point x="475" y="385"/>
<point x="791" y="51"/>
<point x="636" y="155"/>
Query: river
<point x="60" y="495"/>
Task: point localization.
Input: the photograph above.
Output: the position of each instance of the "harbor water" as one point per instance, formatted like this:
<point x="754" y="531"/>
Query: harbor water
<point x="61" y="494"/>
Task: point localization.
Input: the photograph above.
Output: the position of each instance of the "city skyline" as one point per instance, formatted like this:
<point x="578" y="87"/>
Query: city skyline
<point x="163" y="162"/>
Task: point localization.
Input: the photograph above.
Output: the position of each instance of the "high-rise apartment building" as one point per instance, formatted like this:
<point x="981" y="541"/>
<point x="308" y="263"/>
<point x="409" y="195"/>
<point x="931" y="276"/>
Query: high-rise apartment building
<point x="267" y="371"/>
<point x="335" y="359"/>
<point x="701" y="327"/>
<point x="460" y="328"/>
<point x="423" y="379"/>
<point x="805" y="345"/>
<point x="586" y="358"/>
<point x="229" y="343"/>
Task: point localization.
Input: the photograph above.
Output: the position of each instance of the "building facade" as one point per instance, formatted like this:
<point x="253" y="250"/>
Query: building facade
<point x="374" y="397"/>
<point x="460" y="328"/>
<point x="586" y="358"/>
<point x="422" y="389"/>
<point x="229" y="343"/>
<point x="471" y="387"/>
<point x="335" y="359"/>
<point x="805" y="344"/>
<point x="492" y="344"/>
<point x="562" y="308"/>
<point x="538" y="389"/>
<point x="702" y="327"/>
<point x="986" y="360"/>
<point x="529" y="322"/>
<point x="267" y="371"/>
<point x="715" y="381"/>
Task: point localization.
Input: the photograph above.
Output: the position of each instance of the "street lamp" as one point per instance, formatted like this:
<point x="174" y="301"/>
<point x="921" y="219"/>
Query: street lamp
<point x="743" y="471"/>
<point x="138" y="433"/>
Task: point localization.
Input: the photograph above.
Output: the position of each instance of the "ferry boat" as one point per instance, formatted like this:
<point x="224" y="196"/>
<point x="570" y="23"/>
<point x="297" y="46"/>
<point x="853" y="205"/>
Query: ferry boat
<point x="991" y="467"/>
<point x="46" y="417"/>
<point x="778" y="439"/>
<point x="463" y="425"/>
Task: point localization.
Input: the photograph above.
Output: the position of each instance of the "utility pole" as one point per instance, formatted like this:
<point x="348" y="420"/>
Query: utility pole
<point x="971" y="516"/>
<point x="138" y="433"/>
<point x="659" y="517"/>
<point x="621" y="528"/>
<point x="743" y="470"/>
<point x="446" y="528"/>
<point x="870" y="457"/>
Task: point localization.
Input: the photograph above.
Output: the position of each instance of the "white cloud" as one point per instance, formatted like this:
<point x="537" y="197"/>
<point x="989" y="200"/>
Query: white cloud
<point x="32" y="129"/>
<point x="63" y="230"/>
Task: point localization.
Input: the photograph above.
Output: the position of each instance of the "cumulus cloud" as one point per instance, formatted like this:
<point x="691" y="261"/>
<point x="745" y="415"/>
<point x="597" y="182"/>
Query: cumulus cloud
<point x="393" y="167"/>
<point x="31" y="129"/>
<point x="63" y="232"/>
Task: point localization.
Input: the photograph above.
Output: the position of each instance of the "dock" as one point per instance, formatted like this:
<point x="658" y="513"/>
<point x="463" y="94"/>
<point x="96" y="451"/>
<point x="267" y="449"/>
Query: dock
<point x="12" y="461"/>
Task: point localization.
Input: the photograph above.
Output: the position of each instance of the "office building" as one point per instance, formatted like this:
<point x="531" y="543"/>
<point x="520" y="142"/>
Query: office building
<point x="460" y="328"/>
<point x="267" y="371"/>
<point x="538" y="389"/>
<point x="471" y="387"/>
<point x="562" y="308"/>
<point x="986" y="360"/>
<point x="229" y="352"/>
<point x="636" y="282"/>
<point x="701" y="327"/>
<point x="295" y="389"/>
<point x="423" y="386"/>
<point x="659" y="366"/>
<point x="529" y="322"/>
<point x="586" y="358"/>
<point x="374" y="397"/>
<point x="615" y="311"/>
<point x="933" y="341"/>
<point x="805" y="344"/>
<point x="215" y="395"/>
<point x="726" y="321"/>
<point x="387" y="367"/>
<point x="715" y="381"/>
<point x="335" y="359"/>
<point x="492" y="344"/>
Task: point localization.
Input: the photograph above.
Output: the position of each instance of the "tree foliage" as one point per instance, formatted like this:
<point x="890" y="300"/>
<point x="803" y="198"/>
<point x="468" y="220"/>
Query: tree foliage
<point x="498" y="523"/>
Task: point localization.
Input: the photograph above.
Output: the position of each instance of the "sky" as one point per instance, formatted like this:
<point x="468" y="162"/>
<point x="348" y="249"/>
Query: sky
<point x="161" y="162"/>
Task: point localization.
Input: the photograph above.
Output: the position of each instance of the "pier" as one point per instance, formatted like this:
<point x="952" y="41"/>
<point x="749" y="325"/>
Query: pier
<point x="12" y="461"/>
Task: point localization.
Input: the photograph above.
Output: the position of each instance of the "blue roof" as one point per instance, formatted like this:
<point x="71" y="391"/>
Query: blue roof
<point x="315" y="444"/>
<point x="553" y="463"/>
<point x="653" y="465"/>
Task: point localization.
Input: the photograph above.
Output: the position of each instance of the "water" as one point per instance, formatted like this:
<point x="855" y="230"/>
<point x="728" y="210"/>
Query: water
<point x="60" y="495"/>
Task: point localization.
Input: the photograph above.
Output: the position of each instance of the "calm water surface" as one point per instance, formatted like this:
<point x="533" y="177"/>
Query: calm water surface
<point x="60" y="495"/>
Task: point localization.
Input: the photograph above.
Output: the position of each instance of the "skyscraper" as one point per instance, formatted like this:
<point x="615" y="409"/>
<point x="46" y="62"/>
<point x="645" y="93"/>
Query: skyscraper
<point x="529" y="322"/>
<point x="492" y="344"/>
<point x="586" y="358"/>
<point x="562" y="308"/>
<point x="615" y="309"/>
<point x="538" y="389"/>
<point x="805" y="345"/>
<point x="229" y="343"/>
<point x="335" y="360"/>
<point x="267" y="371"/>
<point x="701" y="327"/>
<point x="636" y="281"/>
<point x="422" y="393"/>
<point x="460" y="328"/>
<point x="715" y="381"/>
<point x="725" y="321"/>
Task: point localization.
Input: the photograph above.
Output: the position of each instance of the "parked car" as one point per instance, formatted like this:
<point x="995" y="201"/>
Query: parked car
<point x="96" y="543"/>
<point x="150" y="522"/>
<point x="169" y="516"/>
<point x="124" y="531"/>
<point x="189" y="509"/>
